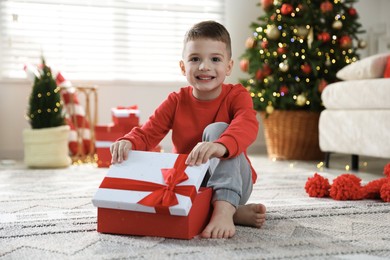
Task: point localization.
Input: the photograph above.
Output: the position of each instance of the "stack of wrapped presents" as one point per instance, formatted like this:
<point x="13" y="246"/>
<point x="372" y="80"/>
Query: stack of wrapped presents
<point x="123" y="120"/>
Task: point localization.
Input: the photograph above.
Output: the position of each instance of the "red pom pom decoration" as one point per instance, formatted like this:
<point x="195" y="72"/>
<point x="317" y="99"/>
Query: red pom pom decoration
<point x="372" y="189"/>
<point x="346" y="187"/>
<point x="317" y="186"/>
<point x="385" y="191"/>
<point x="386" y="170"/>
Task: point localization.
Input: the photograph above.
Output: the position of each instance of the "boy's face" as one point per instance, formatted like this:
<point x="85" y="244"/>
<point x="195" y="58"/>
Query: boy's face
<point x="206" y="63"/>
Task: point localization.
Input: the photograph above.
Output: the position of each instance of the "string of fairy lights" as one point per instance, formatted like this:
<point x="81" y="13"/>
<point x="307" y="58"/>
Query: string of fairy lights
<point x="45" y="105"/>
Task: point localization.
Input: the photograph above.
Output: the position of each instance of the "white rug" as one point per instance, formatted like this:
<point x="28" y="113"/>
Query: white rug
<point x="47" y="214"/>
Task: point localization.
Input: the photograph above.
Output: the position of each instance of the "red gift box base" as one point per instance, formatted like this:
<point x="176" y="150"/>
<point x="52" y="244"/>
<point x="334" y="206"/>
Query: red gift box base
<point x="103" y="157"/>
<point x="148" y="224"/>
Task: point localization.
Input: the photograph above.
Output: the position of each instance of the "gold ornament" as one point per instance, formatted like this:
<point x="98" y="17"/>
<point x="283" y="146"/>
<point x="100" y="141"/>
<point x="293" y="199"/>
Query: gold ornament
<point x="273" y="32"/>
<point x="269" y="109"/>
<point x="301" y="31"/>
<point x="362" y="44"/>
<point x="301" y="100"/>
<point x="283" y="66"/>
<point x="337" y="25"/>
<point x="250" y="43"/>
<point x="310" y="37"/>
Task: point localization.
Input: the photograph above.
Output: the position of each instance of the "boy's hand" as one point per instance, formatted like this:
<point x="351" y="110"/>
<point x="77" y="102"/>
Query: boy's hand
<point x="120" y="150"/>
<point x="204" y="151"/>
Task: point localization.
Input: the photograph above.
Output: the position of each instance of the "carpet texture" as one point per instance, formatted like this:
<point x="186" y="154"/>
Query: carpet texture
<point x="47" y="214"/>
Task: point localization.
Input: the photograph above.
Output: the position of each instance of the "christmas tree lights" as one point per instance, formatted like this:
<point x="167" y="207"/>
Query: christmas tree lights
<point x="296" y="49"/>
<point x="45" y="105"/>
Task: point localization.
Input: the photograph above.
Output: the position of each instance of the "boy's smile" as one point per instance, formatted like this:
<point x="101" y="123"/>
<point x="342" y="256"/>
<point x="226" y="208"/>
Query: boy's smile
<point x="206" y="63"/>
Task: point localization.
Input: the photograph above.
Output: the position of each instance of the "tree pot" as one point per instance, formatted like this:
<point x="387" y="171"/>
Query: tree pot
<point x="292" y="135"/>
<point x="47" y="147"/>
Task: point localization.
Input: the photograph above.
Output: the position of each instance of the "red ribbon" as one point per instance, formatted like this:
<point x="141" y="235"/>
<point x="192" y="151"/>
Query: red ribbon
<point x="162" y="196"/>
<point x="135" y="107"/>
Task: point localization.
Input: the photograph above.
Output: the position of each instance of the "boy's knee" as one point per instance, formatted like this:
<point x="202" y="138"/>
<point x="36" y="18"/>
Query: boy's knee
<point x="213" y="131"/>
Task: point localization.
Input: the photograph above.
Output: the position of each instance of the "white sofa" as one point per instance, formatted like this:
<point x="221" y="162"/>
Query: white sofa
<point x="356" y="119"/>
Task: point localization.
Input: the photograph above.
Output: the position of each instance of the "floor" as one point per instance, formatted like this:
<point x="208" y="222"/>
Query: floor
<point x="339" y="163"/>
<point x="369" y="167"/>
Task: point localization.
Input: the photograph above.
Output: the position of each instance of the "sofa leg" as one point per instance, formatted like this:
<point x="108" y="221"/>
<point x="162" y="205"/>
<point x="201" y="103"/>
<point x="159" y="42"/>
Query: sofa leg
<point x="355" y="162"/>
<point x="327" y="158"/>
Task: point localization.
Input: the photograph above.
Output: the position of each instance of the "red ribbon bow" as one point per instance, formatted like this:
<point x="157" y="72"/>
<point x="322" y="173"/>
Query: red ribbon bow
<point x="162" y="196"/>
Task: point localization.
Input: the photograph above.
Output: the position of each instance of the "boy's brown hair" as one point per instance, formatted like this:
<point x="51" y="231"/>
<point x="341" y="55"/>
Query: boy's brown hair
<point x="209" y="30"/>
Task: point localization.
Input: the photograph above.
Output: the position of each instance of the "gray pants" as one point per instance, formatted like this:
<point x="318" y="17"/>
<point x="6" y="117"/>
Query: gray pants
<point x="231" y="179"/>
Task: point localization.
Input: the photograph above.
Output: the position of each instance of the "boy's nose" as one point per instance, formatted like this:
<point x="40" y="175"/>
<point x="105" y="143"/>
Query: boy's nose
<point x="204" y="65"/>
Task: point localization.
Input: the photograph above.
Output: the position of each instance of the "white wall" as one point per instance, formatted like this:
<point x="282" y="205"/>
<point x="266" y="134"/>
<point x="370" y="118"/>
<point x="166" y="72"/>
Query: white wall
<point x="14" y="98"/>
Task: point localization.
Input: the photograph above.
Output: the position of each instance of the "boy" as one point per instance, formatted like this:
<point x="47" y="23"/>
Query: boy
<point x="209" y="120"/>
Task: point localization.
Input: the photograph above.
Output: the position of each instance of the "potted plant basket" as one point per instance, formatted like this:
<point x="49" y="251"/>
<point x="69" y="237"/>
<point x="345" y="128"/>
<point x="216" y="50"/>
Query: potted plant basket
<point x="46" y="143"/>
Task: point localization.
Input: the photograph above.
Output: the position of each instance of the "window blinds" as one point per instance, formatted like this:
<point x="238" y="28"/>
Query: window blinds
<point x="100" y="40"/>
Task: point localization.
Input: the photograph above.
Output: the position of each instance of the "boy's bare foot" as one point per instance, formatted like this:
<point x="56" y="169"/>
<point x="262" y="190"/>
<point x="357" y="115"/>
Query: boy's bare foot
<point x="221" y="224"/>
<point x="250" y="215"/>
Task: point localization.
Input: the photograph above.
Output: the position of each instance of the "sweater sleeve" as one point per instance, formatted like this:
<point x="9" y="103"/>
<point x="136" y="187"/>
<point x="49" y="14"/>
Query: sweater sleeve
<point x="243" y="128"/>
<point x="150" y="134"/>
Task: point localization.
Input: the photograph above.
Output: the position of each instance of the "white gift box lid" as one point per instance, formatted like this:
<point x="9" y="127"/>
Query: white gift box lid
<point x="146" y="166"/>
<point x="124" y="112"/>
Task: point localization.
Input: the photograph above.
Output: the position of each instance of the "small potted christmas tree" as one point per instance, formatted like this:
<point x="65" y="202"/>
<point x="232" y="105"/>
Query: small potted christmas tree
<point x="46" y="144"/>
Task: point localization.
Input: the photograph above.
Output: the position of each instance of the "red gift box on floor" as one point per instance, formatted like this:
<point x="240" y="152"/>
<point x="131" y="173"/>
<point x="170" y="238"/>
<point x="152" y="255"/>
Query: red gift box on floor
<point x="153" y="194"/>
<point x="105" y="135"/>
<point x="126" y="116"/>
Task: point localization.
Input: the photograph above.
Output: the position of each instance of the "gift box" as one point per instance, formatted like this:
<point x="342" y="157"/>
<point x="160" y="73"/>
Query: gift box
<point x="126" y="116"/>
<point x="105" y="135"/>
<point x="153" y="194"/>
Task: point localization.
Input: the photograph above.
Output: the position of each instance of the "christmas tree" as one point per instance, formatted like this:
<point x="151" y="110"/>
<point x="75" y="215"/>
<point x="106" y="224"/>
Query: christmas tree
<point x="45" y="106"/>
<point x="296" y="49"/>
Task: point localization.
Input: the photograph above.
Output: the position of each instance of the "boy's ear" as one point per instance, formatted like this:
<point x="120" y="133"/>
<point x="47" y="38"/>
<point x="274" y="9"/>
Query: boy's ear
<point x="229" y="68"/>
<point x="182" y="68"/>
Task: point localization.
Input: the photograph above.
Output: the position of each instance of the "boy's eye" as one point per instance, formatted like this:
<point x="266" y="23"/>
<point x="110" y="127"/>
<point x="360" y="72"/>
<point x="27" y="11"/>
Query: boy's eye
<point x="215" y="59"/>
<point x="194" y="59"/>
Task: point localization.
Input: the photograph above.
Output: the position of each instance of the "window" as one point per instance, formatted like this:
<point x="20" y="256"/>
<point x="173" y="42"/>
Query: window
<point x="100" y="40"/>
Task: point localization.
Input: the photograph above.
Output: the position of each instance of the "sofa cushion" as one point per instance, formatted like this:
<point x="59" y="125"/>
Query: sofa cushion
<point x="361" y="132"/>
<point x="357" y="94"/>
<point x="367" y="68"/>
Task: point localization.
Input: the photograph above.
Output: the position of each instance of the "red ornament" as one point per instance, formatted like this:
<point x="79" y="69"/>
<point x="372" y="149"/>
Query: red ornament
<point x="322" y="85"/>
<point x="259" y="74"/>
<point x="326" y="7"/>
<point x="286" y="9"/>
<point x="283" y="90"/>
<point x="306" y="68"/>
<point x="324" y="37"/>
<point x="345" y="42"/>
<point x="244" y="65"/>
<point x="281" y="50"/>
<point x="264" y="44"/>
<point x="266" y="70"/>
<point x="266" y="4"/>
<point x="352" y="11"/>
